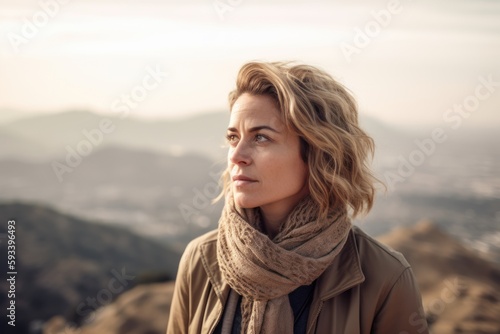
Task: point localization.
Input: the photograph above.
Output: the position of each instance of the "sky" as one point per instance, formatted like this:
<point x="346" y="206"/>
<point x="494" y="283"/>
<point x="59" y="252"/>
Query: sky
<point x="407" y="62"/>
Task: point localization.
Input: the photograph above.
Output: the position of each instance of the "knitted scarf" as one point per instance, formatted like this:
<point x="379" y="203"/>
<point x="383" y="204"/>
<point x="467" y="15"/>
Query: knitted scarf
<point x="265" y="271"/>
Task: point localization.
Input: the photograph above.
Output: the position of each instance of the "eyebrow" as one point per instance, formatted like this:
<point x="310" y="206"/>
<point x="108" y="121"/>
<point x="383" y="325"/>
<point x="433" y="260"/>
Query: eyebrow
<point x="255" y="129"/>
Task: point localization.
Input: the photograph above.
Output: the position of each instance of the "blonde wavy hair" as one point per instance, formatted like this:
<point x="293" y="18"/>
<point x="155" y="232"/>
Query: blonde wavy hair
<point x="324" y="115"/>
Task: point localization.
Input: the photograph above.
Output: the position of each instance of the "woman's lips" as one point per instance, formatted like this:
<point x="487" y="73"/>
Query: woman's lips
<point x="242" y="180"/>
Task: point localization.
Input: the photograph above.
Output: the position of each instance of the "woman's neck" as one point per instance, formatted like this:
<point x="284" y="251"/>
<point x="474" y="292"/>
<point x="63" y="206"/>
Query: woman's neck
<point x="275" y="214"/>
<point x="272" y="223"/>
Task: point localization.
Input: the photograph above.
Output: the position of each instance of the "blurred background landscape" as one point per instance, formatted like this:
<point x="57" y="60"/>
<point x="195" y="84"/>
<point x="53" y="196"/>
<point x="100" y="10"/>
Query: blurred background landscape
<point x="112" y="123"/>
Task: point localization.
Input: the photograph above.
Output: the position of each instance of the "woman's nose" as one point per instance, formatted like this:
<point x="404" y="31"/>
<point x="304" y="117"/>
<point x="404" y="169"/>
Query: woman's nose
<point x="240" y="154"/>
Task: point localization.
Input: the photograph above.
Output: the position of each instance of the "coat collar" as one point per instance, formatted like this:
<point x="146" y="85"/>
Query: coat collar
<point x="344" y="272"/>
<point x="209" y="259"/>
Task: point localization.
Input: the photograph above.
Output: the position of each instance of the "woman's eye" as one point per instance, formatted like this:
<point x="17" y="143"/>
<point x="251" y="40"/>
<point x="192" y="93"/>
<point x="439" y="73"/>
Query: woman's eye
<point x="261" y="138"/>
<point x="231" y="138"/>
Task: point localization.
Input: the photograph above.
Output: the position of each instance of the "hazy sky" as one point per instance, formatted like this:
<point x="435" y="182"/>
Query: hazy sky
<point x="408" y="64"/>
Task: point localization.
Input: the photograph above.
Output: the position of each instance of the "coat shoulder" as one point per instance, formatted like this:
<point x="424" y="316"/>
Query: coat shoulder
<point x="372" y="249"/>
<point x="382" y="264"/>
<point x="208" y="237"/>
<point x="191" y="258"/>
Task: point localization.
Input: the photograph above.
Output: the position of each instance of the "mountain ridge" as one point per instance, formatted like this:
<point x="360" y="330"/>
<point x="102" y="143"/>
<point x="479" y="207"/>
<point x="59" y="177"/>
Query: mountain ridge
<point x="63" y="260"/>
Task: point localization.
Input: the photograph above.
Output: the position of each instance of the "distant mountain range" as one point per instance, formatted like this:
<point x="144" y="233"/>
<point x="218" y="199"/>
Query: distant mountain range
<point x="159" y="177"/>
<point x="71" y="267"/>
<point x="10" y="115"/>
<point x="47" y="137"/>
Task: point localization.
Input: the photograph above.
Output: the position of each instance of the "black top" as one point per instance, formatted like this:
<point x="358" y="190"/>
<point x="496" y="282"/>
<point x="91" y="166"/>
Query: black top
<point x="300" y="301"/>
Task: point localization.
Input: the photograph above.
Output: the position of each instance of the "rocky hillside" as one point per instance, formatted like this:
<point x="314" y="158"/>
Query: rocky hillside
<point x="461" y="290"/>
<point x="71" y="267"/>
<point x="143" y="309"/>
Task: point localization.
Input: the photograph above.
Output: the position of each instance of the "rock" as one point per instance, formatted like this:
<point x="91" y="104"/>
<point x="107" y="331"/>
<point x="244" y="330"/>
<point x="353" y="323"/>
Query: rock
<point x="460" y="289"/>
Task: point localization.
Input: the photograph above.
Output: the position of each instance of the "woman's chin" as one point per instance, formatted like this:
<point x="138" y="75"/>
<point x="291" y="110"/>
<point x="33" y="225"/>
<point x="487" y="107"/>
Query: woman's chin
<point x="244" y="202"/>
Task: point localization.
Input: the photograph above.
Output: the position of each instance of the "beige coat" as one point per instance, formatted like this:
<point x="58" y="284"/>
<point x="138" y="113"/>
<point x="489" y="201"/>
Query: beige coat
<point x="369" y="288"/>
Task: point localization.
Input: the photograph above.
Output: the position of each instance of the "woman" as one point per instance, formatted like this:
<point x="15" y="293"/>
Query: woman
<point x="285" y="257"/>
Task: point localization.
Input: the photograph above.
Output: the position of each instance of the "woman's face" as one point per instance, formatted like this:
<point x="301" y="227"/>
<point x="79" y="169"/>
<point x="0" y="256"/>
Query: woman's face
<point x="265" y="164"/>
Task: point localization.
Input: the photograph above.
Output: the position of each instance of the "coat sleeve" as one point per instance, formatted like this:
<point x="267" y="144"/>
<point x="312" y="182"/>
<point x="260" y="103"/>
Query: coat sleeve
<point x="402" y="311"/>
<point x="178" y="321"/>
